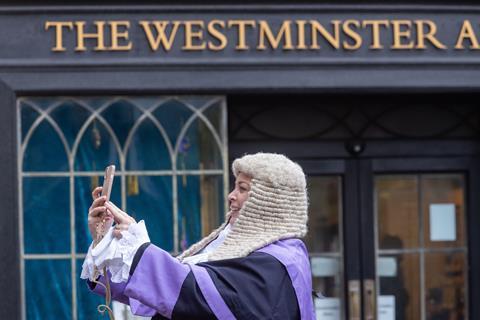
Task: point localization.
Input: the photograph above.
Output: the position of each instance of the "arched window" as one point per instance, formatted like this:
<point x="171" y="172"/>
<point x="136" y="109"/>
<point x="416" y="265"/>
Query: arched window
<point x="171" y="158"/>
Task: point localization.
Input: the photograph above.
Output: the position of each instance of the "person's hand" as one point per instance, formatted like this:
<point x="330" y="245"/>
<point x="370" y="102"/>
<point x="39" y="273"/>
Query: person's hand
<point x="122" y="219"/>
<point x="97" y="214"/>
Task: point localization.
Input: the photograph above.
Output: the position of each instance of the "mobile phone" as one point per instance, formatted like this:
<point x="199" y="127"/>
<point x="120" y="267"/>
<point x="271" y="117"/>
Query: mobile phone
<point x="108" y="181"/>
<point x="103" y="227"/>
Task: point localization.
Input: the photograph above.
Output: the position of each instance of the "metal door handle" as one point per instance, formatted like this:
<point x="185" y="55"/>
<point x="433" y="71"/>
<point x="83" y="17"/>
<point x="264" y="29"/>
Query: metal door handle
<point x="369" y="299"/>
<point x="354" y="299"/>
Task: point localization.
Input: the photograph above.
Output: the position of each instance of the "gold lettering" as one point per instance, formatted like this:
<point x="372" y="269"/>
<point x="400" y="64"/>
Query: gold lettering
<point x="283" y="33"/>
<point x="467" y="33"/>
<point x="191" y="35"/>
<point x="429" y="35"/>
<point x="217" y="35"/>
<point x="347" y="29"/>
<point x="58" y="33"/>
<point x="399" y="34"/>
<point x="161" y="38"/>
<point x="120" y="35"/>
<point x="99" y="35"/>
<point x="241" y="25"/>
<point x="375" y="24"/>
<point x="333" y="40"/>
<point x="301" y="35"/>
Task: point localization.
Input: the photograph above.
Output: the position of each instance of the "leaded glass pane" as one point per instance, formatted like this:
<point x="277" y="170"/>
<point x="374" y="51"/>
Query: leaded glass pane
<point x="172" y="115"/>
<point x="150" y="198"/>
<point x="214" y="115"/>
<point x="86" y="301"/>
<point x="198" y="149"/>
<point x="45" y="151"/>
<point x="97" y="149"/>
<point x="122" y="115"/>
<point x="46" y="215"/>
<point x="70" y="116"/>
<point x="48" y="289"/>
<point x="28" y="116"/>
<point x="200" y="207"/>
<point x="148" y="149"/>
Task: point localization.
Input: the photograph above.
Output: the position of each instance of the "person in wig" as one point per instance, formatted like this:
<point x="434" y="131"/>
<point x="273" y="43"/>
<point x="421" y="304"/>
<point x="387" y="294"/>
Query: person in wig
<point x="254" y="266"/>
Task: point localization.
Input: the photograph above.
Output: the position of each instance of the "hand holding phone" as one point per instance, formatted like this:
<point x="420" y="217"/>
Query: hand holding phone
<point x="103" y="226"/>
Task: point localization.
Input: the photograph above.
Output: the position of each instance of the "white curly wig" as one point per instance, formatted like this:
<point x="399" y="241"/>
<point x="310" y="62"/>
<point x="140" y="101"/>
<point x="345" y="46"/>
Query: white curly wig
<point x="276" y="207"/>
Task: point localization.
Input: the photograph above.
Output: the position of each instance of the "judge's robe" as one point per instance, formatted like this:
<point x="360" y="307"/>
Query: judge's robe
<point x="273" y="282"/>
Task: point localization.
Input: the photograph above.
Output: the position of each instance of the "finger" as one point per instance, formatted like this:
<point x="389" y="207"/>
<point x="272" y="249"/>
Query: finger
<point x="96" y="192"/>
<point x="98" y="202"/>
<point x="118" y="210"/>
<point x="93" y="221"/>
<point x="97" y="212"/>
<point x="119" y="228"/>
<point x="118" y="218"/>
<point x="119" y="214"/>
<point x="117" y="233"/>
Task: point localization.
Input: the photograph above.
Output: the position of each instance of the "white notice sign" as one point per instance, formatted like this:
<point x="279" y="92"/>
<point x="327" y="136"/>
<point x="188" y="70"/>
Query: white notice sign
<point x="386" y="308"/>
<point x="327" y="308"/>
<point x="387" y="267"/>
<point x="442" y="222"/>
<point x="324" y="267"/>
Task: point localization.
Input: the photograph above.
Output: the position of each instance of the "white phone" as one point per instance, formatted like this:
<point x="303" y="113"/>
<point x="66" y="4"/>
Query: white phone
<point x="103" y="227"/>
<point x="108" y="181"/>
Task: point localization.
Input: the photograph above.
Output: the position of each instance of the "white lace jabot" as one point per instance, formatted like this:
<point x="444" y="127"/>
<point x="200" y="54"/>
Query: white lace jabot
<point x="116" y="254"/>
<point x="203" y="254"/>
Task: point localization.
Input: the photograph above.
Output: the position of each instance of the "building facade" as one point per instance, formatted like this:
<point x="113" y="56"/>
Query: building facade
<point x="378" y="103"/>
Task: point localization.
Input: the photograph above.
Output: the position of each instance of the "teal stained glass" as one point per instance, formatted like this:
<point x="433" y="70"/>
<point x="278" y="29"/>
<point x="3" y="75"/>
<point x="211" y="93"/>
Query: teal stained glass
<point x="148" y="149"/>
<point x="48" y="289"/>
<point x="70" y="117"/>
<point x="83" y="201"/>
<point x="28" y="116"/>
<point x="46" y="215"/>
<point x="154" y="204"/>
<point x="96" y="150"/>
<point x="87" y="301"/>
<point x="46" y="199"/>
<point x="198" y="149"/>
<point x="122" y="115"/>
<point x="200" y="206"/>
<point x="172" y="115"/>
<point x="45" y="151"/>
<point x="214" y="116"/>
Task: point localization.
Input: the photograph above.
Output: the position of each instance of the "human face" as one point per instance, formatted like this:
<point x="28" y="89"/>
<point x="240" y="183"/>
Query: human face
<point x="239" y="194"/>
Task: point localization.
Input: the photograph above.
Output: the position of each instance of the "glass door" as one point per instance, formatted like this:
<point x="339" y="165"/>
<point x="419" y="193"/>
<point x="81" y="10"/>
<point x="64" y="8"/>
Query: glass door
<point x="333" y="237"/>
<point x="424" y="237"/>
<point x="324" y="244"/>
<point x="394" y="238"/>
<point x="421" y="246"/>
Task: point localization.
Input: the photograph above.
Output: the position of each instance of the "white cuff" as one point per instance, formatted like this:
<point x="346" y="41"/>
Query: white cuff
<point x="116" y="254"/>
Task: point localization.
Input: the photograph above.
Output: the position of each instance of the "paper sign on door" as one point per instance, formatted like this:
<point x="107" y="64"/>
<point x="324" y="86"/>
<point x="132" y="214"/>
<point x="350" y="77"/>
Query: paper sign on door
<point x="327" y="308"/>
<point x="386" y="308"/>
<point x="442" y="222"/>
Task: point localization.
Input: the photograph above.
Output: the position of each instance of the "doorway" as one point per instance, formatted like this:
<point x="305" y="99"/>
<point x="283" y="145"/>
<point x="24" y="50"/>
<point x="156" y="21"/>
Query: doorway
<point x="389" y="238"/>
<point x="393" y="183"/>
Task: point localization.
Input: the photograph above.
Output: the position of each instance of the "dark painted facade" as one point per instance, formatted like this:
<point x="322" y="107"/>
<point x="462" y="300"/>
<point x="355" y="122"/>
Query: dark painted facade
<point x="369" y="60"/>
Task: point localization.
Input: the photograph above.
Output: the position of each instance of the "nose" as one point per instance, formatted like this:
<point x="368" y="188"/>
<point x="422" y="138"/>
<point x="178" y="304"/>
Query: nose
<point x="232" y="196"/>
